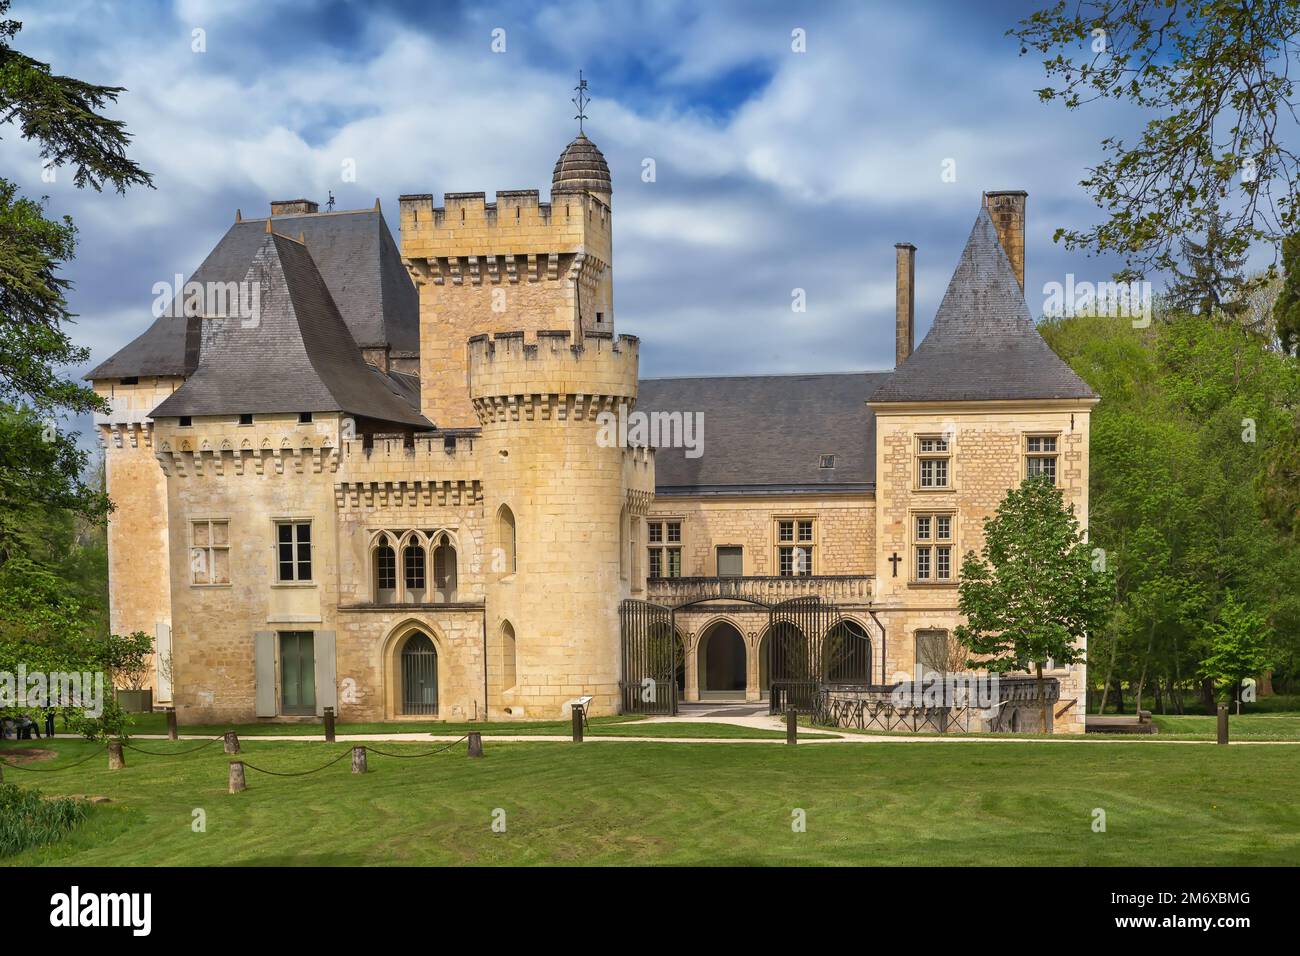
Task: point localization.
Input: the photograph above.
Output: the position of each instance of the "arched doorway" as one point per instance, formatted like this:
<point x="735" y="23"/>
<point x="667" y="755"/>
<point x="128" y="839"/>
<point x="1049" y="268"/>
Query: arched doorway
<point x="419" y="675"/>
<point x="846" y="655"/>
<point x="720" y="661"/>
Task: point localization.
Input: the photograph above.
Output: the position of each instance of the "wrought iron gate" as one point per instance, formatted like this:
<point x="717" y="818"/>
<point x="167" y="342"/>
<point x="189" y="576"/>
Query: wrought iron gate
<point x="652" y="658"/>
<point x="801" y="648"/>
<point x="419" y="676"/>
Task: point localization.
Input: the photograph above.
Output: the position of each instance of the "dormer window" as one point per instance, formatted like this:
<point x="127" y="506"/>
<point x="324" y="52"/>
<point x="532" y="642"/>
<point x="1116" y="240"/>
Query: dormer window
<point x="827" y="461"/>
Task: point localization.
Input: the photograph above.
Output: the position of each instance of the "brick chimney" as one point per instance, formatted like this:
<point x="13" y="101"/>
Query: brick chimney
<point x="904" y="301"/>
<point x="1007" y="210"/>
<point x="293" y="207"/>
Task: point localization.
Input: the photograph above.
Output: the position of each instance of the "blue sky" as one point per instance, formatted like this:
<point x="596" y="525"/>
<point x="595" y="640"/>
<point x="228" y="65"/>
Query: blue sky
<point x="776" y="170"/>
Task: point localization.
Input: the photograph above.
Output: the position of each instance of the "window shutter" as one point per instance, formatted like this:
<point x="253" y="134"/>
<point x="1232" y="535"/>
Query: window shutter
<point x="326" y="691"/>
<point x="265" y="641"/>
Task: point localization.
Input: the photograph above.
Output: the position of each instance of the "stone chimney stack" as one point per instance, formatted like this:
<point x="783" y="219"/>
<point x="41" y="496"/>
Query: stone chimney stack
<point x="1007" y="210"/>
<point x="293" y="207"/>
<point x="904" y="301"/>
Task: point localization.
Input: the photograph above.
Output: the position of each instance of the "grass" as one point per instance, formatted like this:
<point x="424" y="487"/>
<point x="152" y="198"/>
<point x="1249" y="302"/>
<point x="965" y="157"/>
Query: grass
<point x="626" y="726"/>
<point x="651" y="803"/>
<point x="1267" y="726"/>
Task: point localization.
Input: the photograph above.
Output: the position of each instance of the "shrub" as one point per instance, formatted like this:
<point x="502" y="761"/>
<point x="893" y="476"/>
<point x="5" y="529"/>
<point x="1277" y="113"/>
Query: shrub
<point x="27" y="819"/>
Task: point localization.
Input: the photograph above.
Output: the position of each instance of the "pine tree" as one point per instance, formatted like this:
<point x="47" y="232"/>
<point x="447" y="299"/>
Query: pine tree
<point x="1214" y="284"/>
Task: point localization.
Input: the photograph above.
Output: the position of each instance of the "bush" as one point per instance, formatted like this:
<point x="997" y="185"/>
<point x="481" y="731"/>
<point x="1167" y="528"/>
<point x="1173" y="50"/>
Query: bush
<point x="27" y="819"/>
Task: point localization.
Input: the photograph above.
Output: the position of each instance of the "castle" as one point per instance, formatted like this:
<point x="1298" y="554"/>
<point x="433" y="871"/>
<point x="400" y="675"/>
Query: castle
<point x="389" y="487"/>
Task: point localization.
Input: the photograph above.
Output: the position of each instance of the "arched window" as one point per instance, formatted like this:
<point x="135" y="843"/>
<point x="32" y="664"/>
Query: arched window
<point x="507" y="538"/>
<point x="419" y="675"/>
<point x="413" y="571"/>
<point x="444" y="569"/>
<point x="385" y="571"/>
<point x="509" y="675"/>
<point x="622" y="543"/>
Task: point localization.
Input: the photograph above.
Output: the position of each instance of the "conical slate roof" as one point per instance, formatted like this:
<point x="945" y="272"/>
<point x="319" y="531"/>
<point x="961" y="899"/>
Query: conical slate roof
<point x="298" y="355"/>
<point x="983" y="345"/>
<point x="581" y="168"/>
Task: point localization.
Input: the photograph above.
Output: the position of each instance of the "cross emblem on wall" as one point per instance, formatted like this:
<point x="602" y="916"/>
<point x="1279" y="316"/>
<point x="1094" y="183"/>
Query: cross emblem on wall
<point x="894" y="559"/>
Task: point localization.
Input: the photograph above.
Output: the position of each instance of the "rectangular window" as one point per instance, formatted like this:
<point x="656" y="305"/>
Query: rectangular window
<point x="209" y="552"/>
<point x="933" y="458"/>
<point x="386" y="569"/>
<point x="304" y="418"/>
<point x="794" y="547"/>
<point x="293" y="550"/>
<point x="932" y="547"/>
<point x="413" y="563"/>
<point x="246" y="418"/>
<point x="186" y="421"/>
<point x="664" y="562"/>
<point x="731" y="563"/>
<point x="1041" y="456"/>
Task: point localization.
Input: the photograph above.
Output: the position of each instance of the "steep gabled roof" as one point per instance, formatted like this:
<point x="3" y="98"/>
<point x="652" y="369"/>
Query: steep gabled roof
<point x="767" y="433"/>
<point x="357" y="258"/>
<point x="983" y="344"/>
<point x="298" y="355"/>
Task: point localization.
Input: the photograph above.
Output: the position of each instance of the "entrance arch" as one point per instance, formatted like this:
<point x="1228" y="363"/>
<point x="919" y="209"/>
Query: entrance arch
<point x="720" y="661"/>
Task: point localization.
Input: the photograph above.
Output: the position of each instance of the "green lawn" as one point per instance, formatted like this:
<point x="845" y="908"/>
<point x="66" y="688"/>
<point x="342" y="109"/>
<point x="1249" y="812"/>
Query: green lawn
<point x="632" y="726"/>
<point x="643" y="803"/>
<point x="1244" y="727"/>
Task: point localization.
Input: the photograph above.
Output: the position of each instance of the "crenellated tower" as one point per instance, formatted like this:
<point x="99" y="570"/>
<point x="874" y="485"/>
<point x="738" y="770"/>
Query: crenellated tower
<point x="515" y="263"/>
<point x="558" y="499"/>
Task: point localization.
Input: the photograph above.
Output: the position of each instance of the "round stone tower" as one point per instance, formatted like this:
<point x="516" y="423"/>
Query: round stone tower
<point x="555" y="489"/>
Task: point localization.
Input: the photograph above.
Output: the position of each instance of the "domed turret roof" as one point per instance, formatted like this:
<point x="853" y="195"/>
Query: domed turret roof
<point x="581" y="168"/>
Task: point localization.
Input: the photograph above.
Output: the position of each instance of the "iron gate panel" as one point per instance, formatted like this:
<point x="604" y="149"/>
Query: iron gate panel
<point x="799" y="632"/>
<point x="419" y="676"/>
<point x="652" y="658"/>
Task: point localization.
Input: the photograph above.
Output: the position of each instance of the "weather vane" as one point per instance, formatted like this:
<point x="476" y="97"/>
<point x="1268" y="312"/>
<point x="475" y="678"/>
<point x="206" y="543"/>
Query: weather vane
<point x="330" y="205"/>
<point x="581" y="101"/>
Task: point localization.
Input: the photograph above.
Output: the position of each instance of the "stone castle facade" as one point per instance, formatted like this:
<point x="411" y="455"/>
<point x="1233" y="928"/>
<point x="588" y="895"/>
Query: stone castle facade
<point x="389" y="488"/>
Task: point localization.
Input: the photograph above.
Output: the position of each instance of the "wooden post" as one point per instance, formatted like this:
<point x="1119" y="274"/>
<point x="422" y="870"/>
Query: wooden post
<point x="1223" y="723"/>
<point x="358" y="759"/>
<point x="171" y="723"/>
<point x="232" y="742"/>
<point x="576" y="712"/>
<point x="237" y="783"/>
<point x="791" y="726"/>
<point x="115" y="759"/>
<point x="475" y="744"/>
<point x="329" y="725"/>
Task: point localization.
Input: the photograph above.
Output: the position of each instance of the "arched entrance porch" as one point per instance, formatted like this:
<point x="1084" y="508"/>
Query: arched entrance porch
<point x="721" y="662"/>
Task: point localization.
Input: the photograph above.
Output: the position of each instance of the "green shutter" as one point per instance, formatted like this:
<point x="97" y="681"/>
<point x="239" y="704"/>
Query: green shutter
<point x="326" y="690"/>
<point x="266" y="696"/>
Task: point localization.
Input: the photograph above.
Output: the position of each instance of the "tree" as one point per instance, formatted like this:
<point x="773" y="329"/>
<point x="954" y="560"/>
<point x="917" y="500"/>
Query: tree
<point x="1286" y="311"/>
<point x="1216" y="74"/>
<point x="1239" y="646"/>
<point x="1214" y="284"/>
<point x="1033" y="592"/>
<point x="63" y="115"/>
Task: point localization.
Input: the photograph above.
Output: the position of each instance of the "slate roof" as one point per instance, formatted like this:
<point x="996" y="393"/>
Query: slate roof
<point x="357" y="258"/>
<point x="983" y="344"/>
<point x="298" y="356"/>
<point x="767" y="433"/>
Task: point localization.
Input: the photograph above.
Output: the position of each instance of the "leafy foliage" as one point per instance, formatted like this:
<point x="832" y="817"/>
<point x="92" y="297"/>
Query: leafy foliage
<point x="1033" y="592"/>
<point x="1193" y="494"/>
<point x="1216" y="76"/>
<point x="28" y="819"/>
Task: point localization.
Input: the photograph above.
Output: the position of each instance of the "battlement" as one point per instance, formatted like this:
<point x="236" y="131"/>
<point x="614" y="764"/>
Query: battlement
<point x="507" y="369"/>
<point x="518" y="223"/>
<point x="428" y="455"/>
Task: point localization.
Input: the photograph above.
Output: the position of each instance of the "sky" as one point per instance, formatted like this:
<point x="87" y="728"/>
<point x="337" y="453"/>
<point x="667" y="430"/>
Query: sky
<point x="775" y="169"/>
